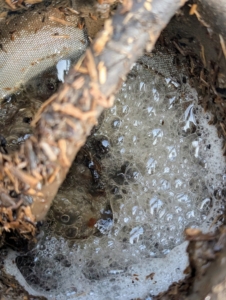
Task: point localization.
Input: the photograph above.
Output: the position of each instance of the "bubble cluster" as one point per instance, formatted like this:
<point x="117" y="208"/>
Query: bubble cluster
<point x="165" y="162"/>
<point x="151" y="168"/>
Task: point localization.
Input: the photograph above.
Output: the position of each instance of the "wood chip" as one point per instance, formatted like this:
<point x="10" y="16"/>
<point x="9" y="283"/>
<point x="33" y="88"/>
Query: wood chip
<point x="48" y="151"/>
<point x="10" y="4"/>
<point x="127" y="5"/>
<point x="54" y="175"/>
<point x="150" y="276"/>
<point x="203" y="56"/>
<point x="6" y="200"/>
<point x="223" y="129"/>
<point x="79" y="62"/>
<point x="6" y="170"/>
<point x="24" y="177"/>
<point x="194" y="11"/>
<point x="147" y="6"/>
<point x="179" y="49"/>
<point x="32" y="1"/>
<point x="103" y="37"/>
<point x="66" y="36"/>
<point x="192" y="231"/>
<point x="102" y="72"/>
<point x="91" y="66"/>
<point x="93" y="17"/>
<point x="3" y="15"/>
<point x="71" y="124"/>
<point x="223" y="46"/>
<point x="82" y="70"/>
<point x="9" y="213"/>
<point x="36" y="175"/>
<point x="28" y="213"/>
<point x="41" y="109"/>
<point x="81" y="24"/>
<point x="78" y="83"/>
<point x="16" y="186"/>
<point x="33" y="192"/>
<point x="127" y="18"/>
<point x="22" y="165"/>
<point x="11" y="226"/>
<point x="130" y="40"/>
<point x="63" y="153"/>
<point x="100" y="98"/>
<point x="110" y="101"/>
<point x="61" y="21"/>
<point x="73" y="10"/>
<point x="71" y="110"/>
<point x="63" y="93"/>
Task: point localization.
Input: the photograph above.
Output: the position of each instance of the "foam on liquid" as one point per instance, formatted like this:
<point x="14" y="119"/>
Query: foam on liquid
<point x="164" y="172"/>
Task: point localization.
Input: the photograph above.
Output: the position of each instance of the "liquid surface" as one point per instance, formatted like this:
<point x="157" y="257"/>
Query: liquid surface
<point x="152" y="168"/>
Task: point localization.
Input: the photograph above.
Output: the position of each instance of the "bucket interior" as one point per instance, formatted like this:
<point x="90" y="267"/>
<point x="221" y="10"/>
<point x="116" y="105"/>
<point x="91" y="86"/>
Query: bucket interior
<point x="153" y="167"/>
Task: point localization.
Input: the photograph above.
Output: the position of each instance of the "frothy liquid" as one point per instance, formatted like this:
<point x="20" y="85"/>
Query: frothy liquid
<point x="162" y="170"/>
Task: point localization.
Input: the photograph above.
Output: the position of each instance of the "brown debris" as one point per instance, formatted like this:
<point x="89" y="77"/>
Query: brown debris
<point x="63" y="153"/>
<point x="24" y="177"/>
<point x="81" y="23"/>
<point x="179" y="49"/>
<point x="10" y="4"/>
<point x="75" y="112"/>
<point x="200" y="274"/>
<point x="41" y="109"/>
<point x="194" y="11"/>
<point x="14" y="5"/>
<point x="54" y="175"/>
<point x="193" y="234"/>
<point x="223" y="46"/>
<point x="93" y="17"/>
<point x="73" y="10"/>
<point x="150" y="276"/>
<point x="203" y="56"/>
<point x="61" y="21"/>
<point x="48" y="151"/>
<point x="103" y="37"/>
<point x="22" y="222"/>
<point x="66" y="36"/>
<point x="127" y="5"/>
<point x="90" y="64"/>
<point x="147" y="5"/>
<point x="32" y="1"/>
<point x="102" y="72"/>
